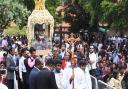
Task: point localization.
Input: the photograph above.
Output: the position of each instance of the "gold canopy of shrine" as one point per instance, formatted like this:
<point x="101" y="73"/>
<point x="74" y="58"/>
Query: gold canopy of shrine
<point x="40" y="15"/>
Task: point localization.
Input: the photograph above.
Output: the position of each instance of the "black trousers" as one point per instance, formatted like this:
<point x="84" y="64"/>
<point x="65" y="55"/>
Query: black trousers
<point x="25" y="80"/>
<point x="19" y="81"/>
<point x="93" y="72"/>
<point x="10" y="84"/>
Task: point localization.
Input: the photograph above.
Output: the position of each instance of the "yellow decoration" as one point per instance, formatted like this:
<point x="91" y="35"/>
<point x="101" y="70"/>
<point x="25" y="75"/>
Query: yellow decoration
<point x="43" y="52"/>
<point x="39" y="4"/>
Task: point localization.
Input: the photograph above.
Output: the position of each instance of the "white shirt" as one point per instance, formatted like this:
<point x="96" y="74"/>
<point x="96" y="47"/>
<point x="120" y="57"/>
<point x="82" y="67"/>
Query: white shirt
<point x="67" y="45"/>
<point x="93" y="59"/>
<point x="79" y="78"/>
<point x="62" y="54"/>
<point x="14" y="59"/>
<point x="4" y="42"/>
<point x="88" y="79"/>
<point x="22" y="67"/>
<point x="59" y="79"/>
<point x="2" y="86"/>
<point x="100" y="46"/>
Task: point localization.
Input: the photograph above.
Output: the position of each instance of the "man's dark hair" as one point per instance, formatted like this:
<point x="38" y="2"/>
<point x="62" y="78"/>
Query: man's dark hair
<point x="32" y="50"/>
<point x="38" y="62"/>
<point x="9" y="49"/>
<point x="23" y="50"/>
<point x="49" y="62"/>
<point x="58" y="62"/>
<point x="82" y="63"/>
<point x="115" y="74"/>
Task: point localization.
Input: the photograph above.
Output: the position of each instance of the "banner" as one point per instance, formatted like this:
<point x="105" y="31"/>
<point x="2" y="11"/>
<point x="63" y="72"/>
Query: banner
<point x="43" y="52"/>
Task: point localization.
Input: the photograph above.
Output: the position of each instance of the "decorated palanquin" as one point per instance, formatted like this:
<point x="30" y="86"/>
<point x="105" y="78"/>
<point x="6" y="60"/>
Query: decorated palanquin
<point x="40" y="15"/>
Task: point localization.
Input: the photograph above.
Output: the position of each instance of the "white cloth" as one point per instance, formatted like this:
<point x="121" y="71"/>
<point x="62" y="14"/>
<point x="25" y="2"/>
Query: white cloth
<point x="100" y="46"/>
<point x="59" y="79"/>
<point x="22" y="67"/>
<point x="67" y="46"/>
<point x="79" y="78"/>
<point x="15" y="82"/>
<point x="2" y="86"/>
<point x="4" y="42"/>
<point x="62" y="54"/>
<point x="68" y="64"/>
<point x="116" y="59"/>
<point x="14" y="59"/>
<point x="88" y="79"/>
<point x="93" y="60"/>
<point x="1" y="56"/>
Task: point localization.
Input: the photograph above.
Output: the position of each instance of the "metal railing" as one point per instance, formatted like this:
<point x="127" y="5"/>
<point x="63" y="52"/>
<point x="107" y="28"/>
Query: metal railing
<point x="98" y="84"/>
<point x="103" y="85"/>
<point x="94" y="82"/>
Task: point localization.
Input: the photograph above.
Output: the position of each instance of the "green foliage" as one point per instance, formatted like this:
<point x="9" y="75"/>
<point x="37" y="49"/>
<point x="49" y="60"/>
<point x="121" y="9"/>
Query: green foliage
<point x="113" y="12"/>
<point x="30" y="4"/>
<point x="93" y="8"/>
<point x="76" y="15"/>
<point x="12" y="11"/>
<point x="15" y="31"/>
<point x="51" y="5"/>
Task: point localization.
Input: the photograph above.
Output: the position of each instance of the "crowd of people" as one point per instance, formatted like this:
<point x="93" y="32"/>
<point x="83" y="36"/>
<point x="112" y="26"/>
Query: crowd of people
<point x="106" y="59"/>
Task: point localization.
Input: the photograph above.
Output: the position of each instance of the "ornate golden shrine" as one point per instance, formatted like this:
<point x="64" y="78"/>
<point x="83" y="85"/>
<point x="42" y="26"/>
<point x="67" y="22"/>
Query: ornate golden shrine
<point x="40" y="15"/>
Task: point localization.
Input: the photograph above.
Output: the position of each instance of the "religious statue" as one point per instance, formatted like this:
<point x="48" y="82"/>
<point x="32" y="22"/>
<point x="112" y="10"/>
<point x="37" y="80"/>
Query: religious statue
<point x="39" y="4"/>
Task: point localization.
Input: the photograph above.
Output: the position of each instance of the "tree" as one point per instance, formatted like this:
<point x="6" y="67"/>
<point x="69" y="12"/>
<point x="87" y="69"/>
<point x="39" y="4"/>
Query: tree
<point x="76" y="15"/>
<point x="51" y="5"/>
<point x="93" y="8"/>
<point x="30" y="4"/>
<point x="12" y="11"/>
<point x="115" y="13"/>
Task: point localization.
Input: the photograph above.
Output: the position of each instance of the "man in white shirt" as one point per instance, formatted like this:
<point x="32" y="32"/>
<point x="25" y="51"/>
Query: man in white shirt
<point x="82" y="65"/>
<point x="93" y="60"/>
<point x="63" y="50"/>
<point x="78" y="77"/>
<point x="58" y="73"/>
<point x="22" y="69"/>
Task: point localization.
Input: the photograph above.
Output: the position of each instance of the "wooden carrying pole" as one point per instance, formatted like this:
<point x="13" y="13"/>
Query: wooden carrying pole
<point x="72" y="59"/>
<point x="72" y="41"/>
